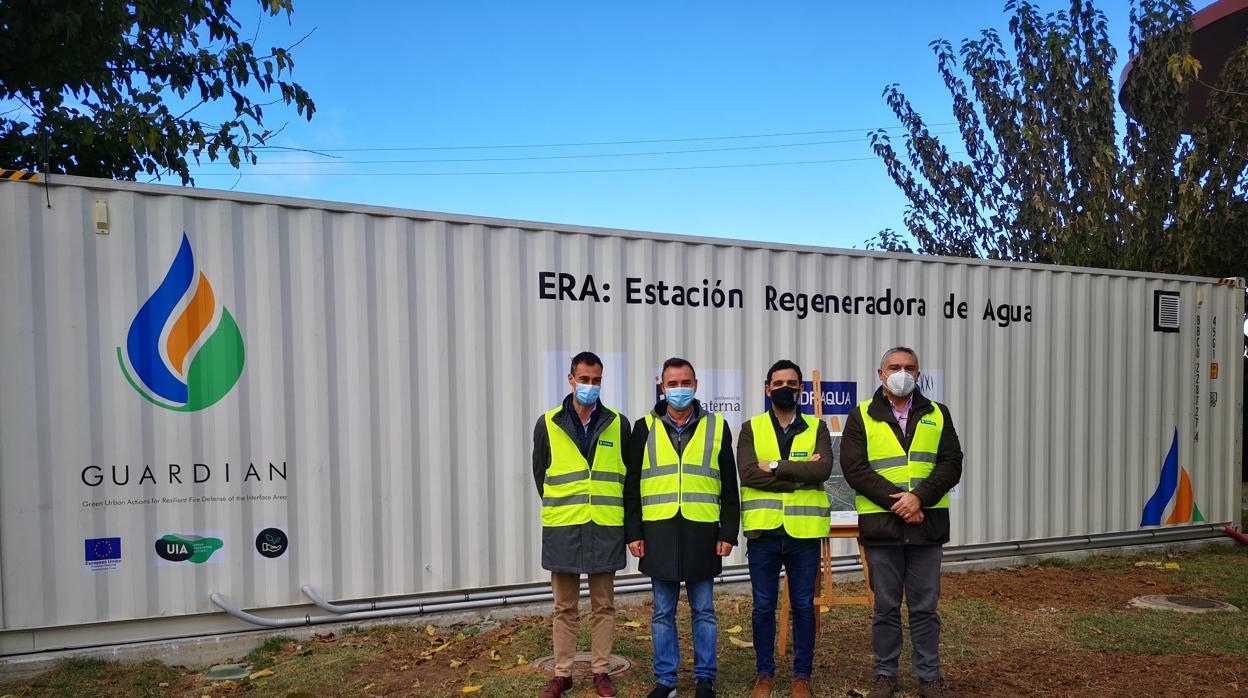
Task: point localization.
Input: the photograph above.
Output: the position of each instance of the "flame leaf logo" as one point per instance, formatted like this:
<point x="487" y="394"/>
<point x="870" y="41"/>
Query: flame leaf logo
<point x="1174" y="484"/>
<point x="184" y="351"/>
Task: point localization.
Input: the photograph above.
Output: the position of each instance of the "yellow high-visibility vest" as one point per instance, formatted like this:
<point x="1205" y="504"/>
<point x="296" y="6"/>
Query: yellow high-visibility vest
<point x="686" y="483"/>
<point x="576" y="493"/>
<point x="803" y="513"/>
<point x="906" y="470"/>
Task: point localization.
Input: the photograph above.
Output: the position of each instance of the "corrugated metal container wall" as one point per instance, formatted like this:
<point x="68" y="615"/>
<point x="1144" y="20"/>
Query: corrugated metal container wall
<point x="395" y="364"/>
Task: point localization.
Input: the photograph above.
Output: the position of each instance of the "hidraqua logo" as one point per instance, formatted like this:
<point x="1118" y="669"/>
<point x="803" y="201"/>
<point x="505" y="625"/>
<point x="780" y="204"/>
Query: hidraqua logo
<point x="1174" y="484"/>
<point x="184" y="351"/>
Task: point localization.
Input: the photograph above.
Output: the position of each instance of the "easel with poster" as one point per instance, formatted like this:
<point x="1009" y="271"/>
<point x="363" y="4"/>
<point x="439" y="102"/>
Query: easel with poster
<point x="843" y="524"/>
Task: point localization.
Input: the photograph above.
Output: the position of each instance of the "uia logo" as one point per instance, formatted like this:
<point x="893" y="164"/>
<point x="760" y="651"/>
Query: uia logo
<point x="1175" y="484"/>
<point x="184" y="351"/>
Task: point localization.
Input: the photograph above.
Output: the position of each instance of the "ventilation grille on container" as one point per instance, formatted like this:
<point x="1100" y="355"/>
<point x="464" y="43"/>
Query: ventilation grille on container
<point x="1165" y="311"/>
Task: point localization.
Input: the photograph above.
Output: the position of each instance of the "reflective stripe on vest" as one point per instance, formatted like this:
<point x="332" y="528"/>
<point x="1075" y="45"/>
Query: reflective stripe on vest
<point x="886" y="457"/>
<point x="803" y="513"/>
<point x="573" y="492"/>
<point x="688" y="483"/>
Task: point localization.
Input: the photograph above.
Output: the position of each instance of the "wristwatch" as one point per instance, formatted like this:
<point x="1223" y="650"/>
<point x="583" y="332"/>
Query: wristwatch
<point x="774" y="464"/>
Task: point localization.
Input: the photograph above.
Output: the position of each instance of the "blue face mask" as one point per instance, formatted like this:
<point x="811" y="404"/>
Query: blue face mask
<point x="587" y="394"/>
<point x="680" y="398"/>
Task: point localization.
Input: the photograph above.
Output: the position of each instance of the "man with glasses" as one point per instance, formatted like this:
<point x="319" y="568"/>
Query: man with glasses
<point x="900" y="452"/>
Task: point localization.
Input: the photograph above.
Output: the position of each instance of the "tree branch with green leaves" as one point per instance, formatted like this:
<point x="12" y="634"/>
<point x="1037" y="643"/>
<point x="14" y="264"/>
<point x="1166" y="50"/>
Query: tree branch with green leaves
<point x="108" y="87"/>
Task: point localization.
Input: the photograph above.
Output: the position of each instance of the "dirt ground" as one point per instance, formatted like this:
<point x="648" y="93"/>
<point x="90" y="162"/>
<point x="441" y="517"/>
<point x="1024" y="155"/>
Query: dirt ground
<point x="1059" y="629"/>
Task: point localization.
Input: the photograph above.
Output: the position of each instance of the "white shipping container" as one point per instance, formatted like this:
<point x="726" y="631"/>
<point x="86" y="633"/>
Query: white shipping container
<point x="204" y="391"/>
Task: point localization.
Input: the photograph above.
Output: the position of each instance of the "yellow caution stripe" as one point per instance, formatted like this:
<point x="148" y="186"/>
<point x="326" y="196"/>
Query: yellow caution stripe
<point x="19" y="175"/>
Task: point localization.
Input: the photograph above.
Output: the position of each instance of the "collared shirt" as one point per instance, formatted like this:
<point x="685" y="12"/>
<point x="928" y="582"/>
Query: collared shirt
<point x="676" y="432"/>
<point x="902" y="415"/>
<point x="583" y="440"/>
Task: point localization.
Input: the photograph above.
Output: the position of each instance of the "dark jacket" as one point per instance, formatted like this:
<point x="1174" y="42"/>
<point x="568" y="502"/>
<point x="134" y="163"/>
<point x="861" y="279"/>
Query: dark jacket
<point x="887" y="528"/>
<point x="583" y="548"/>
<point x="678" y="549"/>
<point x="790" y="475"/>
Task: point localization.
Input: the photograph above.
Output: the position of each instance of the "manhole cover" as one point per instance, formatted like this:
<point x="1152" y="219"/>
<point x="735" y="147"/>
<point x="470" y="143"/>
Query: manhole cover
<point x="1176" y="602"/>
<point x="228" y="672"/>
<point x="581" y="665"/>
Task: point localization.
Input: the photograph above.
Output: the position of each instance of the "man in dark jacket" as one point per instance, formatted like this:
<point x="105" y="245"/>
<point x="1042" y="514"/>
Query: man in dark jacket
<point x="578" y="467"/>
<point x="783" y="458"/>
<point x="901" y="453"/>
<point x="681" y="518"/>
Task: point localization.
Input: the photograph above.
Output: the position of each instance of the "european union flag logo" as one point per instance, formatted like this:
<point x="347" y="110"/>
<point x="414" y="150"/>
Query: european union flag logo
<point x="101" y="549"/>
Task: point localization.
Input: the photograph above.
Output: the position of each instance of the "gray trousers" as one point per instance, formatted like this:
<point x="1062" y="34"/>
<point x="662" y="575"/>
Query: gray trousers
<point x="916" y="570"/>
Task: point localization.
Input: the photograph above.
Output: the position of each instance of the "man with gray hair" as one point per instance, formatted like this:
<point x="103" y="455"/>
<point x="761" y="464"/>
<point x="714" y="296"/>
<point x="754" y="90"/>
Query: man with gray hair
<point x="901" y="454"/>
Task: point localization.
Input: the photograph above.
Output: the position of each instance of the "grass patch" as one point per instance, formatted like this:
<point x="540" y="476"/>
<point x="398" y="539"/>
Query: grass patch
<point x="330" y="671"/>
<point x="263" y="656"/>
<point x="1141" y="631"/>
<point x="97" y="677"/>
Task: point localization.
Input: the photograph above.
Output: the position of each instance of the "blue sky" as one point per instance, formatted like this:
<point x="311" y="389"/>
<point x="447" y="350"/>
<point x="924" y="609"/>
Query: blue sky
<point x="445" y="75"/>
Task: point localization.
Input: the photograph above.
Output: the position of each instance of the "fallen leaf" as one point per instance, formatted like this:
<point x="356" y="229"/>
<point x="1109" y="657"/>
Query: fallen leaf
<point x="470" y="689"/>
<point x="825" y="609"/>
<point x="631" y="624"/>
<point x="430" y="631"/>
<point x="441" y="647"/>
<point x="520" y="660"/>
<point x="734" y="630"/>
<point x="495" y="656"/>
<point x="368" y="686"/>
<point x="1171" y="565"/>
<point x="459" y="637"/>
<point x="455" y="664"/>
<point x="1096" y="630"/>
<point x="740" y="643"/>
<point x="644" y="637"/>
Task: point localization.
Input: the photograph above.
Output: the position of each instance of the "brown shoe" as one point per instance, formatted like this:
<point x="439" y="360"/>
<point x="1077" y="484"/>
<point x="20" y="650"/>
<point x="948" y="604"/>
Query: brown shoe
<point x="884" y="687"/>
<point x="603" y="686"/>
<point x="934" y="689"/>
<point x="762" y="686"/>
<point x="557" y="687"/>
<point x="800" y="688"/>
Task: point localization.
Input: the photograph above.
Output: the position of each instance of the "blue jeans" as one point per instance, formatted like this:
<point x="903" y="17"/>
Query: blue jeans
<point x="800" y="558"/>
<point x="663" y="629"/>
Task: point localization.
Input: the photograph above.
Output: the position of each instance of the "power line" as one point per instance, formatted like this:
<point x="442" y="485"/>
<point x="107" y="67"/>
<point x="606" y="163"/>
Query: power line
<point x="525" y="172"/>
<point x="588" y="143"/>
<point x="561" y="157"/>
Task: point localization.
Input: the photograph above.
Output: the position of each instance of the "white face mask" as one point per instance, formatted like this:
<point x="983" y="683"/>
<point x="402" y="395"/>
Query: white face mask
<point x="900" y="384"/>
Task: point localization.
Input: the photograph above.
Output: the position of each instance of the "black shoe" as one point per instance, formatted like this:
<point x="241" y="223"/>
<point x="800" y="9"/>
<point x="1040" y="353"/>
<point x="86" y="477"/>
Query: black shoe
<point x="934" y="689"/>
<point x="884" y="687"/>
<point x="662" y="691"/>
<point x="705" y="689"/>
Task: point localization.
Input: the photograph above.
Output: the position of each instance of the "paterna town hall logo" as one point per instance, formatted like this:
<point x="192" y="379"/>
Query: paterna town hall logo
<point x="184" y="351"/>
